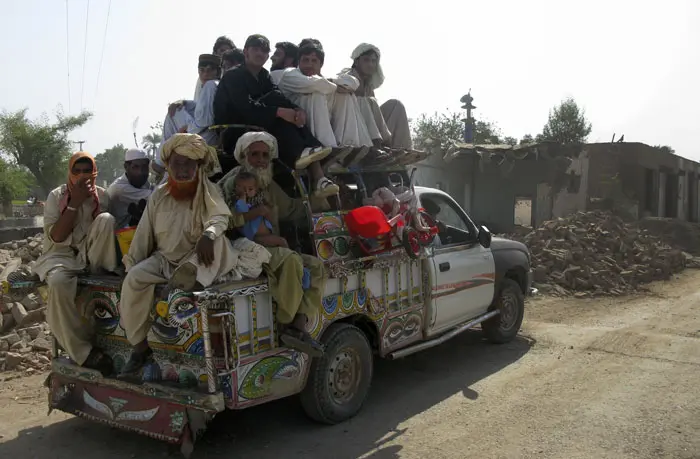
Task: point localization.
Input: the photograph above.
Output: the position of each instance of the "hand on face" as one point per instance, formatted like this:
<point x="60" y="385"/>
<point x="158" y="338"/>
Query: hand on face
<point x="82" y="190"/>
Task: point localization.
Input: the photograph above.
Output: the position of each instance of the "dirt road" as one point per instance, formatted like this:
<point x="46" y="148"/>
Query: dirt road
<point x="611" y="378"/>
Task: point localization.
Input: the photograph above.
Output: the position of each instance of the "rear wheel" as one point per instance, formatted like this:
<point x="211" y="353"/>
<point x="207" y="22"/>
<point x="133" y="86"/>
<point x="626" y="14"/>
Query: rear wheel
<point x="339" y="380"/>
<point x="510" y="301"/>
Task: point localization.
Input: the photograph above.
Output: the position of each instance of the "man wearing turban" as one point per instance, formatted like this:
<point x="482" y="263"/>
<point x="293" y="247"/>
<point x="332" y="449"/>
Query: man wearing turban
<point x="78" y="235"/>
<point x="388" y="124"/>
<point x="180" y="239"/>
<point x="285" y="269"/>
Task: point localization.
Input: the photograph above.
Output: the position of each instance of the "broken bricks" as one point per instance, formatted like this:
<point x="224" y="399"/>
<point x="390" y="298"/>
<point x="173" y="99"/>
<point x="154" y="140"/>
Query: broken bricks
<point x="597" y="253"/>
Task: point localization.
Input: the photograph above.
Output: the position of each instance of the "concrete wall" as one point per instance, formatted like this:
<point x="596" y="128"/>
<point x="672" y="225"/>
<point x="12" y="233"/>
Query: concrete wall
<point x="627" y="165"/>
<point x="570" y="200"/>
<point x="454" y="178"/>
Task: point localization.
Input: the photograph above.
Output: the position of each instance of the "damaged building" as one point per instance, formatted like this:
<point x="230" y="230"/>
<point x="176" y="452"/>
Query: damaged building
<point x="502" y="186"/>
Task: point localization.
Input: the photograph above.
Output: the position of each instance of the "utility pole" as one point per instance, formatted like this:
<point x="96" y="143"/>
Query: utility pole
<point x="468" y="121"/>
<point x="80" y="143"/>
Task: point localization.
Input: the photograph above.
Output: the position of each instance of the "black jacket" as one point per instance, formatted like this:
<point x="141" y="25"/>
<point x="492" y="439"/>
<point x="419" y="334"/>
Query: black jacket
<point x="243" y="99"/>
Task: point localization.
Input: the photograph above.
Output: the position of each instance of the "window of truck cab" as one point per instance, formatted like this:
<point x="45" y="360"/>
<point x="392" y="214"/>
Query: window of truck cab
<point x="460" y="229"/>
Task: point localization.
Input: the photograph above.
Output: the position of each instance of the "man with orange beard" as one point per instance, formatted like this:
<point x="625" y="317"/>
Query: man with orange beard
<point x="180" y="240"/>
<point x="78" y="235"/>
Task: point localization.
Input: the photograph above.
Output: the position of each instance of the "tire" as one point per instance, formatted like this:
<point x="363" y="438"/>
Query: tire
<point x="410" y="242"/>
<point x="324" y="398"/>
<point x="504" y="327"/>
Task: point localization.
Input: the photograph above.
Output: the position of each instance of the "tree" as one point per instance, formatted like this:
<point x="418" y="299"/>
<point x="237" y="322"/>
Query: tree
<point x="665" y="149"/>
<point x="14" y="184"/>
<point x="437" y="132"/>
<point x="153" y="139"/>
<point x="567" y="124"/>
<point x="527" y="138"/>
<point x="40" y="146"/>
<point x="110" y="163"/>
<point x="508" y="140"/>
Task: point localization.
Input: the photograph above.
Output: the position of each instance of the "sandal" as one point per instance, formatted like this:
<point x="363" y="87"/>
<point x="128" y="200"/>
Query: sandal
<point x="377" y="157"/>
<point x="311" y="155"/>
<point x="98" y="360"/>
<point x="302" y="342"/>
<point x="325" y="188"/>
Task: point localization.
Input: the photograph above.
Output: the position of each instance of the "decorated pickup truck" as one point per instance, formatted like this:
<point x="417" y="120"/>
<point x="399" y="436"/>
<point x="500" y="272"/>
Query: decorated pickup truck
<point x="218" y="349"/>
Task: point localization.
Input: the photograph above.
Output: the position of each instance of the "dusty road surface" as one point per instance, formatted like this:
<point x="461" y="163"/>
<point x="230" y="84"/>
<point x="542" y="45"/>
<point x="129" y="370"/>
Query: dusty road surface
<point x="611" y="378"/>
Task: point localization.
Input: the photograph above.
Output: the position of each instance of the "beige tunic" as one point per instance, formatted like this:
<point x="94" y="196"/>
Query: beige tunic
<point x="72" y="253"/>
<point x="164" y="239"/>
<point x="91" y="245"/>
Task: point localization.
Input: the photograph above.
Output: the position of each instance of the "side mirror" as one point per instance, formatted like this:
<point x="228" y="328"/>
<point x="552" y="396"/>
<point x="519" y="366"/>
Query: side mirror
<point x="484" y="237"/>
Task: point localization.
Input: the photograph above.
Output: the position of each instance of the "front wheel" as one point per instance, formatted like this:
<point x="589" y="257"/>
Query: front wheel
<point x="339" y="380"/>
<point x="510" y="301"/>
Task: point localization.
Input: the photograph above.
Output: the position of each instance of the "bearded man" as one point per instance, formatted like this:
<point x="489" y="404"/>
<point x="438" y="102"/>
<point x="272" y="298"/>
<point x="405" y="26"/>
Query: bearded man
<point x="388" y="124"/>
<point x="286" y="269"/>
<point x="78" y="235"/>
<point x="180" y="240"/>
<point x="128" y="194"/>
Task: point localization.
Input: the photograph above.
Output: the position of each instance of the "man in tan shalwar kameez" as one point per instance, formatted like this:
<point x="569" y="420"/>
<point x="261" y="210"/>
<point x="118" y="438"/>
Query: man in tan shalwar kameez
<point x="180" y="239"/>
<point x="388" y="124"/>
<point x="285" y="270"/>
<point x="78" y="235"/>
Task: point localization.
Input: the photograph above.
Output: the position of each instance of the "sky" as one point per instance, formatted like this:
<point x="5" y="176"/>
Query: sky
<point x="634" y="66"/>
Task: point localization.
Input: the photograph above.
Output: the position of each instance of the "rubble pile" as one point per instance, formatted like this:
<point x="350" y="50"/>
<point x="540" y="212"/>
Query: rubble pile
<point x="26" y="250"/>
<point x="25" y="338"/>
<point x="597" y="253"/>
<point x="676" y="233"/>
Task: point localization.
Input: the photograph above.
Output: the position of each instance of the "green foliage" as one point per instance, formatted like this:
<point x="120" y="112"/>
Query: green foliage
<point x="40" y="146"/>
<point x="437" y="132"/>
<point x="110" y="163"/>
<point x="508" y="140"/>
<point x="15" y="182"/>
<point x="665" y="149"/>
<point x="152" y="140"/>
<point x="567" y="124"/>
<point x="527" y="138"/>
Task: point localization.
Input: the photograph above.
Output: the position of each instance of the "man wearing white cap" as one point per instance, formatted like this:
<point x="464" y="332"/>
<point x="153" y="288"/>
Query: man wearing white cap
<point x="129" y="193"/>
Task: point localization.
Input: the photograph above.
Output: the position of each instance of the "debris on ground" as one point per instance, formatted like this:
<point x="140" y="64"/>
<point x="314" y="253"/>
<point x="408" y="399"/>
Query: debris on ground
<point x="25" y="337"/>
<point x="597" y="253"/>
<point x="679" y="234"/>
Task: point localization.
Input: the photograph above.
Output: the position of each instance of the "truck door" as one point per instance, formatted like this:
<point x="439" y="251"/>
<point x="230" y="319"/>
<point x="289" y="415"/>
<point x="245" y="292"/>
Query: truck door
<point x="463" y="271"/>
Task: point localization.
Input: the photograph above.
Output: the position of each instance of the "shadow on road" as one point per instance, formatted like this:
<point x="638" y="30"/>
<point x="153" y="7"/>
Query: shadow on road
<point x="401" y="390"/>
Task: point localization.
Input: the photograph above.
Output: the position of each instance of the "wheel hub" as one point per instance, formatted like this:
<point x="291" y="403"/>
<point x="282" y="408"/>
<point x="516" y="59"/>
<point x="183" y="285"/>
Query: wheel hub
<point x="508" y="311"/>
<point x="344" y="375"/>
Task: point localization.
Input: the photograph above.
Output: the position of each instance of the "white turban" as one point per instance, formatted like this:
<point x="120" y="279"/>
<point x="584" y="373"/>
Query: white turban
<point x="249" y="138"/>
<point x="134" y="154"/>
<point x="378" y="78"/>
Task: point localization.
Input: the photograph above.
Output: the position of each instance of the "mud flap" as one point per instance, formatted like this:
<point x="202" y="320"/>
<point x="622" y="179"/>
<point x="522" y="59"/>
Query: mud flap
<point x="173" y="421"/>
